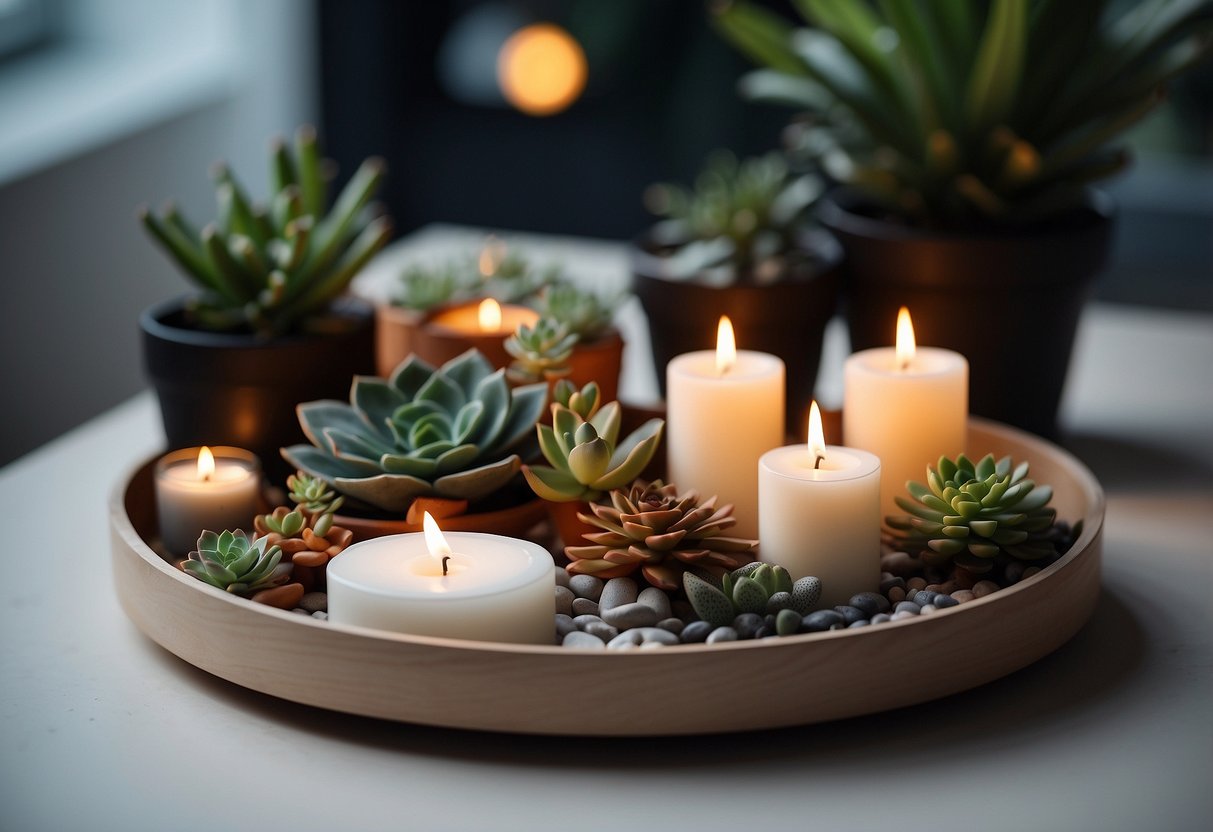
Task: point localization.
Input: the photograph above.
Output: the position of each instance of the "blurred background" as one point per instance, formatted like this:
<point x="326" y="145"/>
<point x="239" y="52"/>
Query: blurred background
<point x="107" y="104"/>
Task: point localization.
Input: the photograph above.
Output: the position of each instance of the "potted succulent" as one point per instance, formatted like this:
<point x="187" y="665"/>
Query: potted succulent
<point x="270" y="326"/>
<point x="967" y="134"/>
<point x="585" y="457"/>
<point x="450" y="439"/>
<point x="597" y="355"/>
<point x="737" y="245"/>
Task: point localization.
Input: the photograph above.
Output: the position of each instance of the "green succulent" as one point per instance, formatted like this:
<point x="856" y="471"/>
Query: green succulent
<point x="312" y="494"/>
<point x="950" y="112"/>
<point x="455" y="431"/>
<point x="586" y="313"/>
<point x="541" y="352"/>
<point x="756" y="587"/>
<point x="427" y="287"/>
<point x="232" y="562"/>
<point x="972" y="513"/>
<point x="275" y="268"/>
<point x="585" y="457"/>
<point x="583" y="402"/>
<point x="741" y="219"/>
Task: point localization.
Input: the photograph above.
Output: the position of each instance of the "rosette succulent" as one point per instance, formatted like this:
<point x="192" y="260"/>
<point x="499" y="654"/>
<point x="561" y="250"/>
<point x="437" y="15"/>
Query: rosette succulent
<point x="586" y="458"/>
<point x="455" y="431"/>
<point x="759" y="588"/>
<point x="586" y="313"/>
<point x="233" y="562"/>
<point x="653" y="529"/>
<point x="973" y="513"/>
<point x="541" y="352"/>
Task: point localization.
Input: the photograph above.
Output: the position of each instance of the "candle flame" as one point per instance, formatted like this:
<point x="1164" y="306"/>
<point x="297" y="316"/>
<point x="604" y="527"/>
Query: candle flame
<point x="206" y="464"/>
<point x="726" y="345"/>
<point x="489" y="315"/>
<point x="817" y="438"/>
<point x="434" y="541"/>
<point x="905" y="339"/>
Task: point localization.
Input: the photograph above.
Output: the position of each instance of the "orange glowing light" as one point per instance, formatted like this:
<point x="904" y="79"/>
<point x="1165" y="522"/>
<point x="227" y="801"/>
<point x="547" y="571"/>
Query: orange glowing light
<point x="489" y="315"/>
<point x="817" y="437"/>
<point x="541" y="69"/>
<point x="726" y="345"/>
<point x="206" y="464"/>
<point x="435" y="542"/>
<point x="905" y="339"/>
<point x="491" y="256"/>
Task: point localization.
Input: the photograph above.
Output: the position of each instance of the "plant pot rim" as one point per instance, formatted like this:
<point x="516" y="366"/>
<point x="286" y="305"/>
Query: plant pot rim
<point x="825" y="255"/>
<point x="846" y="210"/>
<point x="153" y="320"/>
<point x="532" y="510"/>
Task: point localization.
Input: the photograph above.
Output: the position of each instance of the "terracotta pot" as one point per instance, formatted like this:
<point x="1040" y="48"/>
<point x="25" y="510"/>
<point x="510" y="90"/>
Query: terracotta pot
<point x="221" y="388"/>
<point x="437" y="341"/>
<point x="513" y="521"/>
<point x="786" y="318"/>
<point x="569" y="527"/>
<point x="600" y="361"/>
<point x="1009" y="300"/>
<point x="395" y="329"/>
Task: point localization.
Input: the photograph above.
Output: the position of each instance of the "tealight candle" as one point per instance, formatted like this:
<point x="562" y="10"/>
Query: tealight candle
<point x="819" y="514"/>
<point x="908" y="405"/>
<point x="460" y="585"/>
<point x="725" y="409"/>
<point x="481" y="324"/>
<point x="205" y="488"/>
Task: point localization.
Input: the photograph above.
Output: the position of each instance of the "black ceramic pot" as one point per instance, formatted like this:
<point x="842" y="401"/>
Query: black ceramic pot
<point x="220" y="388"/>
<point x="1008" y="300"/>
<point x="785" y="318"/>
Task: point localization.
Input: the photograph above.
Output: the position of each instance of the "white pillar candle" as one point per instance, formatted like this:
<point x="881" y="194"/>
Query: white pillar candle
<point x="496" y="588"/>
<point x="205" y="488"/>
<point x="908" y="406"/>
<point x="724" y="411"/>
<point x="822" y="521"/>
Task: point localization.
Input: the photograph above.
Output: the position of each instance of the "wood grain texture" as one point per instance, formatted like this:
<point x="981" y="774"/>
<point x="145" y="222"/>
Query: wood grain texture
<point x="548" y="690"/>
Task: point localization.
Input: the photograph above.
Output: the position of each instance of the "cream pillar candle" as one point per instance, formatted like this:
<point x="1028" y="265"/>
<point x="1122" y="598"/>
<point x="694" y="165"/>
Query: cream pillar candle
<point x="908" y="406"/>
<point x="819" y="514"/>
<point x="724" y="410"/>
<point x="495" y="588"/>
<point x="204" y="488"/>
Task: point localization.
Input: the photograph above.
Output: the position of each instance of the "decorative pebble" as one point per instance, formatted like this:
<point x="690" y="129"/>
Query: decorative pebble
<point x="870" y="602"/>
<point x="881" y="617"/>
<point x="283" y="597"/>
<point x="964" y="579"/>
<point x="747" y="625"/>
<point x="947" y="588"/>
<point x="924" y="596"/>
<point x="642" y="635"/>
<point x="899" y="563"/>
<point x="1030" y="571"/>
<point x="564" y="625"/>
<point x="898" y="616"/>
<point x="933" y="588"/>
<point x="673" y="625"/>
<point x="300" y="611"/>
<point x="564" y="600"/>
<point x="927" y="609"/>
<point x="908" y="606"/>
<point x="851" y="614"/>
<point x="697" y="632"/>
<point x="787" y="622"/>
<point x="314" y="601"/>
<point x="584" y="606"/>
<point x="580" y="639"/>
<point x="722" y="634"/>
<point x="945" y="601"/>
<point x="586" y="586"/>
<point x="627" y="616"/>
<point x="764" y="632"/>
<point x="617" y="592"/>
<point x="805" y="592"/>
<point x="321" y="615"/>
<point x="963" y="595"/>
<point x="916" y="584"/>
<point x="816" y="622"/>
<point x="1013" y="572"/>
<point x="601" y="629"/>
<point x="863" y="622"/>
<point x="562" y="577"/>
<point x="583" y="620"/>
<point x="779" y="601"/>
<point x="896" y="594"/>
<point x="656" y="600"/>
<point x="983" y="588"/>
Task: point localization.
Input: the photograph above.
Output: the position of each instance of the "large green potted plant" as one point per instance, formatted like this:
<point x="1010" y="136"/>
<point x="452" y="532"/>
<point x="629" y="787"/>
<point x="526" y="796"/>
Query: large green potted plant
<point x="967" y="135"/>
<point x="737" y="244"/>
<point x="270" y="325"/>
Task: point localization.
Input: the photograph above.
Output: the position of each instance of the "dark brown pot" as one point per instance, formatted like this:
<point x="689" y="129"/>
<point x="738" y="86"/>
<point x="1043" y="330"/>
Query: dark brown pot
<point x="785" y="318"/>
<point x="219" y="388"/>
<point x="1008" y="300"/>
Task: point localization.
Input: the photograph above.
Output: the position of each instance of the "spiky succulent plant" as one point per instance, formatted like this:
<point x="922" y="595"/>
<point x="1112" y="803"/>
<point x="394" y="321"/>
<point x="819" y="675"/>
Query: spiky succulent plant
<point x="455" y="431"/>
<point x="275" y="268"/>
<point x="947" y="112"/>
<point x="756" y="587"/>
<point x="972" y="513"/>
<point x="586" y="313"/>
<point x="586" y="460"/>
<point x="541" y="352"/>
<point x="232" y="562"/>
<point x="741" y="219"/>
<point x="306" y="534"/>
<point x="653" y="529"/>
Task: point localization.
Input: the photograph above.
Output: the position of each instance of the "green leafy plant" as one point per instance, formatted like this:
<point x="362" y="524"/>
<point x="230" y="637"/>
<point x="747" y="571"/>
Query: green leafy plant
<point x="973" y="513"/>
<point x="587" y="314"/>
<point x="652" y="529"/>
<point x="741" y="218"/>
<point x="759" y="588"/>
<point x="428" y="287"/>
<point x="584" y="402"/>
<point x="454" y="431"/>
<point x="541" y="352"/>
<point x="232" y="562"/>
<point x="306" y="534"/>
<point x="275" y="268"/>
<point x="507" y="277"/>
<point x="585" y="457"/>
<point x="946" y="113"/>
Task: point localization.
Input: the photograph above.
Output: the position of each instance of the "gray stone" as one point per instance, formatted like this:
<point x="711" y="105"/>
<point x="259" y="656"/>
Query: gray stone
<point x="900" y="614"/>
<point x="640" y="636"/>
<point x="748" y="624"/>
<point x="586" y="586"/>
<point x="779" y="601"/>
<point x="582" y="620"/>
<point x="300" y="611"/>
<point x="816" y="622"/>
<point x="657" y="600"/>
<point x="580" y="639"/>
<point x="881" y="617"/>
<point x="924" y="596"/>
<point x="722" y="634"/>
<point x="871" y="602"/>
<point x="945" y="601"/>
<point x="320" y="615"/>
<point x="907" y="606"/>
<point x="1013" y="572"/>
<point x="562" y="576"/>
<point x="584" y="606"/>
<point x="889" y="583"/>
<point x="673" y="625"/>
<point x="899" y="563"/>
<point x="314" y="601"/>
<point x="617" y="592"/>
<point x="854" y="625"/>
<point x="927" y="609"/>
<point x="696" y="632"/>
<point x="564" y="600"/>
<point x="601" y="629"/>
<point x="851" y="614"/>
<point x="627" y="616"/>
<point x="564" y="625"/>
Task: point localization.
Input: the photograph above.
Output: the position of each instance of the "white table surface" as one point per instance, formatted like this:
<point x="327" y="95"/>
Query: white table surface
<point x="101" y="729"/>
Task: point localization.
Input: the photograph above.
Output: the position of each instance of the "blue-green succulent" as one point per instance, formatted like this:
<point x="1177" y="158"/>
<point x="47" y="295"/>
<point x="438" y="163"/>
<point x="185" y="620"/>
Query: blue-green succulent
<point x="232" y="562"/>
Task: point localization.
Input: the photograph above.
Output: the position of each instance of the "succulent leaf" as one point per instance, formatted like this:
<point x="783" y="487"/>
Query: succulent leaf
<point x="232" y="562"/>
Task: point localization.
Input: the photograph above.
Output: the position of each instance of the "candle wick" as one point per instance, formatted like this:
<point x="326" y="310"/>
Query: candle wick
<point x="445" y="558"/>
<point x="904" y="365"/>
<point x="817" y="462"/>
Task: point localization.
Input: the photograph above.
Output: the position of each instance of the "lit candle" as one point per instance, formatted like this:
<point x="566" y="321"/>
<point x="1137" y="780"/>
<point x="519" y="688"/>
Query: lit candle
<point x="908" y="405"/>
<point x="205" y="488"/>
<point x="462" y="585"/>
<point x="819" y="514"/>
<point x="481" y="324"/>
<point x="725" y="410"/>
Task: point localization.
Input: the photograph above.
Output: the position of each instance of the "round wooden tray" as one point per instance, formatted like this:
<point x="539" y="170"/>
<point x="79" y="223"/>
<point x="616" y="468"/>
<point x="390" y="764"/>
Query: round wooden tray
<point x="736" y="686"/>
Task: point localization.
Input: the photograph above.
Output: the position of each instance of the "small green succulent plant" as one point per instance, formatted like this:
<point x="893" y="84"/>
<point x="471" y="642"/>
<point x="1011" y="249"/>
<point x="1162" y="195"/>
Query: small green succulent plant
<point x="275" y="268"/>
<point x="508" y="278"/>
<point x="587" y="314"/>
<point x="454" y="431"/>
<point x="232" y="562"/>
<point x="423" y="287"/>
<point x="756" y="587"/>
<point x="586" y="458"/>
<point x="741" y="219"/>
<point x="971" y="513"/>
<point x="541" y="352"/>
